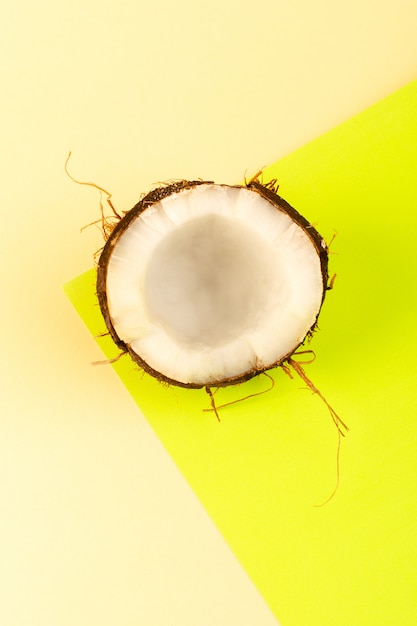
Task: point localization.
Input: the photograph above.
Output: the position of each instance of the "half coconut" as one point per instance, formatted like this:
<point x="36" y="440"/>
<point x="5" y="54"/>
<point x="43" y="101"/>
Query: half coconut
<point x="208" y="285"/>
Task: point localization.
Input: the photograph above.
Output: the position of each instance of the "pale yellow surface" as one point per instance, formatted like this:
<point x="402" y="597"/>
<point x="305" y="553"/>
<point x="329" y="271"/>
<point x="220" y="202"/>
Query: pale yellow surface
<point x="96" y="524"/>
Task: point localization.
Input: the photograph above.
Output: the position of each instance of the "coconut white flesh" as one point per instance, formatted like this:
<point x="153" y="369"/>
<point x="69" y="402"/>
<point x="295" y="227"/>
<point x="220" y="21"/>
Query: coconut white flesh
<point x="213" y="282"/>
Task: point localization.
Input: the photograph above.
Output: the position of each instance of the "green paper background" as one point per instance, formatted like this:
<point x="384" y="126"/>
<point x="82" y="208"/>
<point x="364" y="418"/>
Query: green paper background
<point x="260" y="472"/>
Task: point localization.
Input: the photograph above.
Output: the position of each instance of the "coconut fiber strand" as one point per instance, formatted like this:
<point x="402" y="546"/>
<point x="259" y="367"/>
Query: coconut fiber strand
<point x="261" y="472"/>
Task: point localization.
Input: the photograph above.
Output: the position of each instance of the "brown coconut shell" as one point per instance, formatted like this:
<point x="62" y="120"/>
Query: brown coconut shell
<point x="154" y="196"/>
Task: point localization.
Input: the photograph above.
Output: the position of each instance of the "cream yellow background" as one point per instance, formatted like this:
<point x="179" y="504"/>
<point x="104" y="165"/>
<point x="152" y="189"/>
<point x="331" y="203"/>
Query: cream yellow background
<point x="96" y="524"/>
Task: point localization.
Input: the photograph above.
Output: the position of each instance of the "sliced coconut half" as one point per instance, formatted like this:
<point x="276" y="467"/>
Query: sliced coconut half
<point x="209" y="285"/>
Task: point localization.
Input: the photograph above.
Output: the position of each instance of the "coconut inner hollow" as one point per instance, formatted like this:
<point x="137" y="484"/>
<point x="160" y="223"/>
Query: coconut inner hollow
<point x="213" y="282"/>
<point x="208" y="281"/>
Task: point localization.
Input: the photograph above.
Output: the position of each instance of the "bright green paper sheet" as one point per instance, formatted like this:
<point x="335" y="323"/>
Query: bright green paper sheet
<point x="260" y="471"/>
